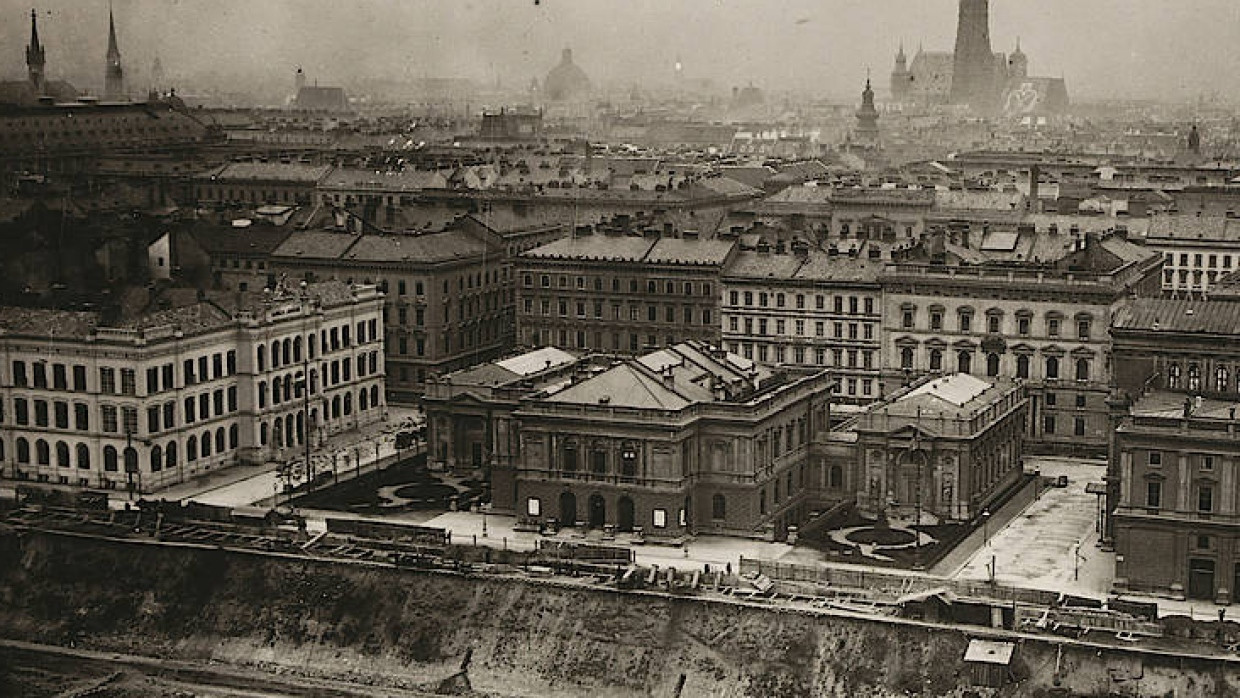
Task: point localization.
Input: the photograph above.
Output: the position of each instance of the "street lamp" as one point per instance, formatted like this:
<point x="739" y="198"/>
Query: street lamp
<point x="985" y="527"/>
<point x="1076" y="561"/>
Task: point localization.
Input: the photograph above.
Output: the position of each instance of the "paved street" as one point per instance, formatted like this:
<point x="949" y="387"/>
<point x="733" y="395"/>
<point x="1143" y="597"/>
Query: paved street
<point x="1036" y="548"/>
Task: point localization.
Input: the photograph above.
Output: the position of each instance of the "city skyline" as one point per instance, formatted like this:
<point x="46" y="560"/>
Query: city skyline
<point x="1149" y="49"/>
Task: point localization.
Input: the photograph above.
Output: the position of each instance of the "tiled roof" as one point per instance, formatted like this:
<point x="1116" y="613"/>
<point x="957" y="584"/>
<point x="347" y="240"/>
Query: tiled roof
<point x="622" y="386"/>
<point x="434" y="247"/>
<point x="315" y="244"/>
<point x="270" y="171"/>
<point x="620" y="248"/>
<point x="1172" y="229"/>
<point x="254" y="240"/>
<point x="1179" y="316"/>
<point x="408" y="180"/>
<point x="696" y="251"/>
<point x="42" y="322"/>
<point x="189" y="318"/>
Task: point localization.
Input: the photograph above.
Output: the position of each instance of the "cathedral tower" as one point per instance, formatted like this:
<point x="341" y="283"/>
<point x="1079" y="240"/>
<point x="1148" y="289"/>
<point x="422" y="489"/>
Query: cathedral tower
<point x="114" y="76"/>
<point x="901" y="78"/>
<point x="35" y="59"/>
<point x="973" y="76"/>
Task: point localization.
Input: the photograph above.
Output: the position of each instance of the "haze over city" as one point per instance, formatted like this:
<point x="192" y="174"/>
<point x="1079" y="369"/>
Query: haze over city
<point x="1104" y="48"/>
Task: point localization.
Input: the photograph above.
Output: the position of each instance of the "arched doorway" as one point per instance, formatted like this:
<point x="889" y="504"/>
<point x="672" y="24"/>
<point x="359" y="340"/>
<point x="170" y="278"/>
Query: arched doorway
<point x="568" y="509"/>
<point x="625" y="514"/>
<point x="598" y="511"/>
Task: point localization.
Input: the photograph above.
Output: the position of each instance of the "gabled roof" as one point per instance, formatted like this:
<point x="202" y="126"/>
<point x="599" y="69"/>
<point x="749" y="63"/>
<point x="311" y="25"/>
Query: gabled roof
<point x="622" y="386"/>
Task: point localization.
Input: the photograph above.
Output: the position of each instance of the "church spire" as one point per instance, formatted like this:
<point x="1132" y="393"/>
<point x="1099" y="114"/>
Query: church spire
<point x="34" y="55"/>
<point x="114" y="75"/>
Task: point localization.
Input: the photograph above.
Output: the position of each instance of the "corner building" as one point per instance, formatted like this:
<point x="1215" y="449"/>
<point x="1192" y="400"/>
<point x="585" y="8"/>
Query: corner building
<point x="687" y="439"/>
<point x="148" y="403"/>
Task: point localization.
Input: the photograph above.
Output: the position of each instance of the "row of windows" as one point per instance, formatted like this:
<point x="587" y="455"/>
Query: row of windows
<point x="778" y="353"/>
<point x="688" y="314"/>
<point x="855" y="304"/>
<point x="1154" y="495"/>
<point x="964" y="364"/>
<point x="631" y="342"/>
<point x="1050" y="424"/>
<point x="289" y="350"/>
<point x="159" y="458"/>
<point x="994" y="322"/>
<point x="855" y="330"/>
<point x="653" y="286"/>
<point x="1211" y="261"/>
<point x="1191" y="377"/>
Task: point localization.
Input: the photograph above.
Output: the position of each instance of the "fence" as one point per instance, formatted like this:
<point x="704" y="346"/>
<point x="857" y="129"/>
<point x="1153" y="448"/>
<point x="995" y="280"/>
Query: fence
<point x="892" y="584"/>
<point x="425" y="535"/>
<point x="567" y="550"/>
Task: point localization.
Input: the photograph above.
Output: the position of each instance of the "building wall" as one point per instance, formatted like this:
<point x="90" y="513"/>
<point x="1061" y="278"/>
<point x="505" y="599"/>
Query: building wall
<point x="618" y="307"/>
<point x="809" y="325"/>
<point x="1164" y="523"/>
<point x="437" y="317"/>
<point x="1025" y="341"/>
<point x="169" y="393"/>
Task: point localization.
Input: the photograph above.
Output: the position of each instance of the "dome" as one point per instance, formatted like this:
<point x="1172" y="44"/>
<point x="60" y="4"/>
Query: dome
<point x="566" y="81"/>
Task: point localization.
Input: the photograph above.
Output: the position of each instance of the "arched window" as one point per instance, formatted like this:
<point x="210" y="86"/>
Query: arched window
<point x="297" y="349"/>
<point x="204" y="444"/>
<point x="1052" y="367"/>
<point x="288" y="388"/>
<point x="286" y="356"/>
<point x="1173" y="376"/>
<point x="62" y="454"/>
<point x="275" y="354"/>
<point x="992" y="365"/>
<point x="170" y="455"/>
<point x="1082" y="369"/>
<point x="348" y="403"/>
<point x="275" y="390"/>
<point x="362" y="396"/>
<point x="262" y="357"/>
<point x="131" y="460"/>
<point x="718" y="507"/>
<point x="374" y="396"/>
<point x="936" y="359"/>
<point x="1194" y="377"/>
<point x="906" y="357"/>
<point x="220" y="440"/>
<point x="234" y="436"/>
<point x="277" y="431"/>
<point x="1022" y="366"/>
<point x="42" y="452"/>
<point x="964" y="362"/>
<point x="262" y="394"/>
<point x="109" y="459"/>
<point x="262" y="434"/>
<point x="336" y="407"/>
<point x="23" y="450"/>
<point x="191" y="449"/>
<point x="157" y="459"/>
<point x="83" y="457"/>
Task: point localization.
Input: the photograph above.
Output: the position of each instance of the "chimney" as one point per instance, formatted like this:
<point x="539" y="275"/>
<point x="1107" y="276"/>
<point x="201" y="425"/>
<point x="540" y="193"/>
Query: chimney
<point x="1035" y="174"/>
<point x="669" y="378"/>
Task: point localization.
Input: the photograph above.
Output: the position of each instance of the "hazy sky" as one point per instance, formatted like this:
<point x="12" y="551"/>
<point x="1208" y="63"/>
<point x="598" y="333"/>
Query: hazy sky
<point x="1135" y="48"/>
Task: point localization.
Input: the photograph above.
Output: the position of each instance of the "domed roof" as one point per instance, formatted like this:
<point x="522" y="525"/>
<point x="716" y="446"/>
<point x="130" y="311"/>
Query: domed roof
<point x="566" y="81"/>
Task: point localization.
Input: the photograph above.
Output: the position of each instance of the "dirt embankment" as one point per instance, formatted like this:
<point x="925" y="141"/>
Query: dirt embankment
<point x="380" y="626"/>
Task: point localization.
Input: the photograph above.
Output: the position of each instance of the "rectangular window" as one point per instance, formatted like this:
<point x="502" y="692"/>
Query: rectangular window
<point x="61" y="414"/>
<point x="130" y="415"/>
<point x="1048" y="424"/>
<point x="1078" y="426"/>
<point x="1155" y="458"/>
<point x="79" y="378"/>
<point x="40" y="374"/>
<point x="152" y="380"/>
<point x="81" y="417"/>
<point x="170" y="415"/>
<point x="1207" y="463"/>
<point x="660" y="518"/>
<point x="21" y="410"/>
<point x="1153" y="494"/>
<point x="60" y="379"/>
<point x="152" y="419"/>
<point x="40" y="413"/>
<point x="19" y="374"/>
<point x="533" y="506"/>
<point x="110" y="423"/>
<point x="129" y="381"/>
<point x="1205" y="498"/>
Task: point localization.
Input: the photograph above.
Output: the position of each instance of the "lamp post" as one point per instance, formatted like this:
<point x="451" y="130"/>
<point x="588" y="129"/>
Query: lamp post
<point x="1076" y="561"/>
<point x="985" y="527"/>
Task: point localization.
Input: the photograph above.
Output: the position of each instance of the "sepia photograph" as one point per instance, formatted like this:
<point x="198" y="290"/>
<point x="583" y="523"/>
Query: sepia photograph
<point x="619" y="348"/>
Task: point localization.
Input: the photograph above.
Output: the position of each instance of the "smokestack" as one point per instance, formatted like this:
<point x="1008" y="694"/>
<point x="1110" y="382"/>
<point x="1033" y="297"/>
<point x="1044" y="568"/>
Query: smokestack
<point x="1035" y="173"/>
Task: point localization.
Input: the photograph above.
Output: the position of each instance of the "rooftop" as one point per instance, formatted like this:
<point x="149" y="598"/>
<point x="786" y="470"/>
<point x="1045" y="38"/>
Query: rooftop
<point x="1180" y="316"/>
<point x="269" y="171"/>
<point x="630" y="248"/>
